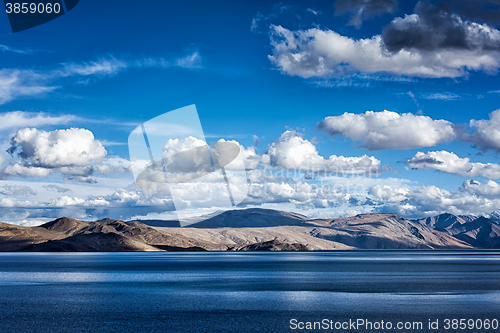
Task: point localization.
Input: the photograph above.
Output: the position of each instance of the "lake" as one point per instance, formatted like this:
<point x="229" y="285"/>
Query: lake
<point x="250" y="292"/>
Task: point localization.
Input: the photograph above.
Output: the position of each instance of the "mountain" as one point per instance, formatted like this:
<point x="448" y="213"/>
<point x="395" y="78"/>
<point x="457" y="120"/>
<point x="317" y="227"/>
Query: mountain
<point x="445" y="221"/>
<point x="108" y="235"/>
<point x="15" y="237"/>
<point x="251" y="218"/>
<point x="494" y="216"/>
<point x="161" y="223"/>
<point x="255" y="230"/>
<point x="247" y="236"/>
<point x="384" y="231"/>
<point x="366" y="231"/>
<point x="479" y="232"/>
<point x="273" y="245"/>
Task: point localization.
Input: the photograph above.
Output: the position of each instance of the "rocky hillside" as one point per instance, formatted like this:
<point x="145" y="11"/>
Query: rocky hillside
<point x="252" y="218"/>
<point x="272" y="245"/>
<point x="479" y="232"/>
<point x="255" y="230"/>
<point x="66" y="234"/>
<point x="366" y="231"/>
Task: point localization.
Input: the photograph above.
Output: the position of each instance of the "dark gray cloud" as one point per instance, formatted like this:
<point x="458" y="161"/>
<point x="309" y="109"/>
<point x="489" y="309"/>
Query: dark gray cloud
<point x="425" y="161"/>
<point x="436" y="27"/>
<point x="361" y="10"/>
<point x="486" y="11"/>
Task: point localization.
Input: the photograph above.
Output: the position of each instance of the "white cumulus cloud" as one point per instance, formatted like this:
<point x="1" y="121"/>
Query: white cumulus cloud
<point x="59" y="148"/>
<point x="490" y="189"/>
<point x="487" y="132"/>
<point x="387" y="193"/>
<point x="325" y="53"/>
<point x="472" y="198"/>
<point x="450" y="163"/>
<point x="292" y="151"/>
<point x="389" y="130"/>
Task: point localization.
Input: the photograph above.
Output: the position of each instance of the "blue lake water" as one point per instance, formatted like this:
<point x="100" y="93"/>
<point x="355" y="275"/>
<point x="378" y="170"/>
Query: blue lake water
<point x="247" y="292"/>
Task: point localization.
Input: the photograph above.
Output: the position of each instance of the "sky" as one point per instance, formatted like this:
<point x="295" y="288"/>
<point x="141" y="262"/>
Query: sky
<point x="338" y="107"/>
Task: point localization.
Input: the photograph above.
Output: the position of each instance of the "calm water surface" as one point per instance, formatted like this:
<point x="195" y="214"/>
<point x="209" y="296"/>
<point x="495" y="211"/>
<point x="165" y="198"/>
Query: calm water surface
<point x="244" y="292"/>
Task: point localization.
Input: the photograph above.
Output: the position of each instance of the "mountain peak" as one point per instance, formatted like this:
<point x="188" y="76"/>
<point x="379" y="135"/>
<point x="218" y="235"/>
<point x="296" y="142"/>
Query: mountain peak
<point x="252" y="218"/>
<point x="494" y="216"/>
<point x="65" y="225"/>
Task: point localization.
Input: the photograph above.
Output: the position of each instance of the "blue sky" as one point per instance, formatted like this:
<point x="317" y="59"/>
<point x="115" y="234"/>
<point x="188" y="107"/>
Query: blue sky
<point x="257" y="69"/>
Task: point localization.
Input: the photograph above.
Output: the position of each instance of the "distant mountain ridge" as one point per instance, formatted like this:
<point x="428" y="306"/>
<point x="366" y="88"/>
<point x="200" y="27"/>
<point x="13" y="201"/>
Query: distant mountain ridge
<point x="256" y="229"/>
<point x="480" y="232"/>
<point x="366" y="231"/>
<point x="494" y="216"/>
<point x="252" y="218"/>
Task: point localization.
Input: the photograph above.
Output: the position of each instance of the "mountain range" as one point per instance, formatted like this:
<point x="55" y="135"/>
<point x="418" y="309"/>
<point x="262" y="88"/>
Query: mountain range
<point x="256" y="229"/>
<point x="480" y="232"/>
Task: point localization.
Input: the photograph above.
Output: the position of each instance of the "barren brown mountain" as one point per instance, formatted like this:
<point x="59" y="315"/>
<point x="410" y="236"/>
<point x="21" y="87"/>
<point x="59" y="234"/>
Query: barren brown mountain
<point x="254" y="229"/>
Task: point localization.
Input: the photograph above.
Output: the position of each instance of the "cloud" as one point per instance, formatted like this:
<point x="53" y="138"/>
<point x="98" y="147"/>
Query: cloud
<point x="17" y="83"/>
<point x="389" y="130"/>
<point x="188" y="161"/>
<point x="112" y="165"/>
<point x="5" y="48"/>
<point x="17" y="119"/>
<point x="59" y="148"/>
<point x="483" y="10"/>
<point x="113" y="143"/>
<point x="312" y="11"/>
<point x="105" y="67"/>
<point x="292" y="151"/>
<point x="450" y="163"/>
<point x="490" y="189"/>
<point x="432" y="200"/>
<point x="74" y="153"/>
<point x="190" y="61"/>
<point x="56" y="188"/>
<point x="272" y="175"/>
<point x="281" y="192"/>
<point x="357" y="80"/>
<point x="254" y="26"/>
<point x="250" y="159"/>
<point x="17" y="190"/>
<point x="318" y="184"/>
<point x="80" y="179"/>
<point x="180" y="157"/>
<point x="361" y="10"/>
<point x="323" y="53"/>
<point x="412" y="95"/>
<point x="487" y="133"/>
<point x="26" y="171"/>
<point x="278" y="9"/>
<point x="122" y="203"/>
<point x="447" y="96"/>
<point x="388" y="193"/>
<point x="175" y="146"/>
<point x="433" y="29"/>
